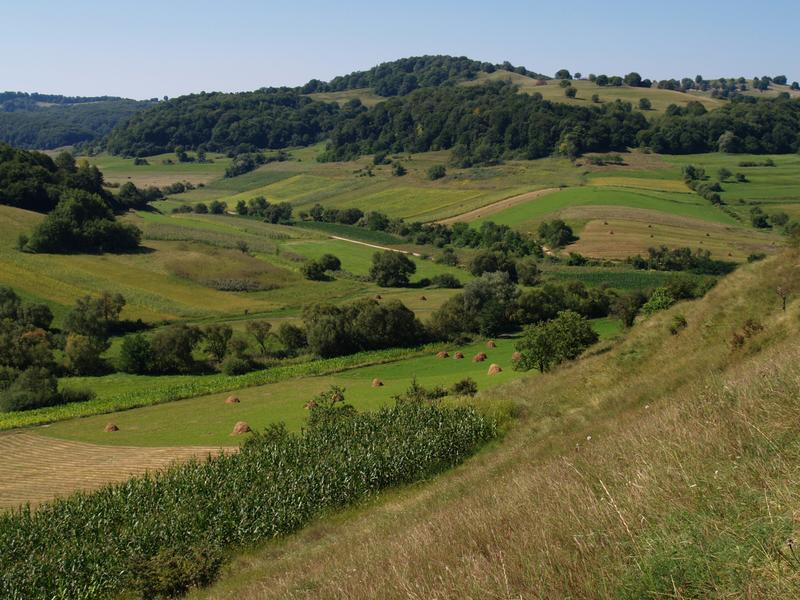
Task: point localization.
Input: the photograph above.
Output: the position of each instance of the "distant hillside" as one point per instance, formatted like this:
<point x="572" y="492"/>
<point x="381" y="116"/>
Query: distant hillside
<point x="46" y="121"/>
<point x="443" y="102"/>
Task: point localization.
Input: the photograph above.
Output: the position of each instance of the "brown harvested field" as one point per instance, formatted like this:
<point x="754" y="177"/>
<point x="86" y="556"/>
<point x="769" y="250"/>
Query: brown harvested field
<point x="34" y="468"/>
<point x="498" y="206"/>
<point x="622" y="232"/>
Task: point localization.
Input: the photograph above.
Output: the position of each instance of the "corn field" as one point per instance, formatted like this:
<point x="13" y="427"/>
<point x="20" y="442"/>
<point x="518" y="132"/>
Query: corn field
<point x="159" y="534"/>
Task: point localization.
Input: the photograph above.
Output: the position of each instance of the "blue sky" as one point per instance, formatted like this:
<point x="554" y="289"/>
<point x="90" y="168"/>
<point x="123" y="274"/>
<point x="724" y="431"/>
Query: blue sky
<point x="143" y="48"/>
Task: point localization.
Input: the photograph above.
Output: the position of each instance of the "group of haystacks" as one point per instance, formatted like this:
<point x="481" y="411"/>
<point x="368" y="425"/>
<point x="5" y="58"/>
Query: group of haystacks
<point x="238" y="429"/>
<point x="494" y="368"/>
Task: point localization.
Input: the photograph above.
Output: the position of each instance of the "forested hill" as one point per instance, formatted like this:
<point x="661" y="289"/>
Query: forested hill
<point x="266" y="118"/>
<point x="444" y="102"/>
<point x="403" y="76"/>
<point x="46" y="121"/>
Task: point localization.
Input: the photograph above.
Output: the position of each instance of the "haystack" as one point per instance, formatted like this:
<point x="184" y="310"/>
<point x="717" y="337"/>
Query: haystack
<point x="377" y="383"/>
<point x="491" y="344"/>
<point x="110" y="428"/>
<point x="516" y="356"/>
<point x="231" y="400"/>
<point x="494" y="369"/>
<point x="240" y="428"/>
<point x="479" y="357"/>
<point x="442" y="354"/>
<point x="458" y="355"/>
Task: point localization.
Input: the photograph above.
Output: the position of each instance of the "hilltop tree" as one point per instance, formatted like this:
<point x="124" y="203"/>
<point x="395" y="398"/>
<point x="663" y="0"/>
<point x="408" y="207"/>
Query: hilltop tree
<point x="633" y="79"/>
<point x="563" y="74"/>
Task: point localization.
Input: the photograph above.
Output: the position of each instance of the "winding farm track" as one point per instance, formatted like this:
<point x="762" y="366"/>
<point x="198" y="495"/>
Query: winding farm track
<point x="35" y="468"/>
<point x="496" y="207"/>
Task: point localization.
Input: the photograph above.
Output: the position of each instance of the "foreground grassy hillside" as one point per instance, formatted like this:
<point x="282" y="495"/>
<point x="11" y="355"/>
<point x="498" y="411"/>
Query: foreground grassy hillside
<point x="663" y="467"/>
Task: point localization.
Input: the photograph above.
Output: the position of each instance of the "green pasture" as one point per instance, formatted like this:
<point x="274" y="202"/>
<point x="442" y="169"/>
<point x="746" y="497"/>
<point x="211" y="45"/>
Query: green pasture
<point x="357" y="258"/>
<point x="207" y="420"/>
<point x="526" y="216"/>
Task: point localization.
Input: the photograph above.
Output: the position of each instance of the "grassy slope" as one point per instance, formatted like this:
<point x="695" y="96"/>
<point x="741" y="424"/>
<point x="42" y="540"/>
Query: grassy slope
<point x="660" y="99"/>
<point x="665" y="467"/>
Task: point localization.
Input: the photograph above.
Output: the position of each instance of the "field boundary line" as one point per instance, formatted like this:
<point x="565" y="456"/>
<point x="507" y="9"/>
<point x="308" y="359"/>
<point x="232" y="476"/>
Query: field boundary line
<point x="496" y="207"/>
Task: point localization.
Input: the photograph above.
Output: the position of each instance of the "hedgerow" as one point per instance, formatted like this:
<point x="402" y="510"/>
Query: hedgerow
<point x="163" y="533"/>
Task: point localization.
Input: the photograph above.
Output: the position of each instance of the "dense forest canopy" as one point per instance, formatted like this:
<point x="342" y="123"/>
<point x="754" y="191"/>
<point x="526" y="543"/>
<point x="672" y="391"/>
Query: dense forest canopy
<point x="267" y="118"/>
<point x="31" y="125"/>
<point x="34" y="181"/>
<point x="401" y="77"/>
<point x="484" y="124"/>
<point x="770" y="126"/>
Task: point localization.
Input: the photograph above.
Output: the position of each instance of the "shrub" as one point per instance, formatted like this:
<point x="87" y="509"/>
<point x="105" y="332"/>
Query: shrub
<point x="556" y="233"/>
<point x="678" y="324"/>
<point x="660" y="299"/>
<point x="528" y="271"/>
<point x="465" y="387"/>
<point x="330" y="263"/>
<point x="436" y="172"/>
<point x="546" y="344"/>
<point x="82" y="354"/>
<point x="135" y="355"/>
<point x="313" y="271"/>
<point x="217" y="208"/>
<point x="645" y="104"/>
<point x="34" y="387"/>
<point x="173" y="348"/>
<point x="292" y="337"/>
<point x="172" y="572"/>
<point x="446" y="280"/>
<point x="235" y="365"/>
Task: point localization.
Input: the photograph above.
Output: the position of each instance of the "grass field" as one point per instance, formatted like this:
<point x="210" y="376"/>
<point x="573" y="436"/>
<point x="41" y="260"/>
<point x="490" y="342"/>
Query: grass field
<point x="208" y="421"/>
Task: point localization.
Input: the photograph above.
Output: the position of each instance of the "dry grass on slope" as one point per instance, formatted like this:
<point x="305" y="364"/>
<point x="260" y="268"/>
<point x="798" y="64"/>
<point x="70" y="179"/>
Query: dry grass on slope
<point x="666" y="467"/>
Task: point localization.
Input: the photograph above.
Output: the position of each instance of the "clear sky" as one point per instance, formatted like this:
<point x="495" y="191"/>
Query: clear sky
<point x="146" y="48"/>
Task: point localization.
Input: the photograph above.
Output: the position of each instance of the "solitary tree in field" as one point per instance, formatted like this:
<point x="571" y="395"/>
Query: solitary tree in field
<point x="645" y="104"/>
<point x="724" y="174"/>
<point x="563" y="74"/>
<point x="570" y="92"/>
